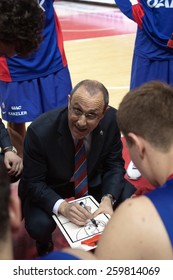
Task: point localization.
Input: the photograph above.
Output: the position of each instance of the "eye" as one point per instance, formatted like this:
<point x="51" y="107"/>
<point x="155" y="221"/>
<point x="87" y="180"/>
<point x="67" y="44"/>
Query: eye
<point x="77" y="111"/>
<point x="91" y="116"/>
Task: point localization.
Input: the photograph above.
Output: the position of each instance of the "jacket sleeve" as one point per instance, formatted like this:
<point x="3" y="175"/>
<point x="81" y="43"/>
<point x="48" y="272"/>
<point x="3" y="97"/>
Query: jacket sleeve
<point x="33" y="182"/>
<point x="4" y="136"/>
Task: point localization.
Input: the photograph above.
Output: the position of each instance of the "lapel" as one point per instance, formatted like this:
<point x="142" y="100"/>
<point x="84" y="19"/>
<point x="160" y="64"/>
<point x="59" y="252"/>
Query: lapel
<point x="65" y="141"/>
<point x="96" y="147"/>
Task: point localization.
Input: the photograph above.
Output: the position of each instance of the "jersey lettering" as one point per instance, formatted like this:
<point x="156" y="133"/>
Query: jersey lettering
<point x="160" y="3"/>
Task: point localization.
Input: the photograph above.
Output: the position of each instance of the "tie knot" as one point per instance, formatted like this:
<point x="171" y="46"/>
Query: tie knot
<point x="79" y="144"/>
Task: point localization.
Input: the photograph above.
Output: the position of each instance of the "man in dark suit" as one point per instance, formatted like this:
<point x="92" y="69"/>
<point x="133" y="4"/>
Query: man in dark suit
<point x="49" y="152"/>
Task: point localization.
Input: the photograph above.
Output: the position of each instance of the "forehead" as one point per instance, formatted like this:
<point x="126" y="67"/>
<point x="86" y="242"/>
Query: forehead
<point x="88" y="102"/>
<point x="7" y="50"/>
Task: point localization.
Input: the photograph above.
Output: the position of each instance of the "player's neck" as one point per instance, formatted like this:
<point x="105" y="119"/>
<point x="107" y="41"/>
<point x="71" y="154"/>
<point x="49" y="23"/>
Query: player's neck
<point x="164" y="166"/>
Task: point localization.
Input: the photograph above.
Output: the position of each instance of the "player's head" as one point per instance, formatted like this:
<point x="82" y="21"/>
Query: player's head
<point x="21" y="25"/>
<point x="146" y="111"/>
<point x="9" y="214"/>
<point x="144" y="116"/>
<point x="87" y="105"/>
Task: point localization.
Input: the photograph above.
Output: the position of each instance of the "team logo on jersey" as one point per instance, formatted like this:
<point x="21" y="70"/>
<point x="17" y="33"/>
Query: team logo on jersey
<point x="160" y="3"/>
<point x="3" y="108"/>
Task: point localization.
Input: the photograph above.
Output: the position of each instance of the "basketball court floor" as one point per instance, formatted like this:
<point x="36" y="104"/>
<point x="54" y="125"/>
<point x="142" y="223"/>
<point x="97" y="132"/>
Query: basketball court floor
<point x="99" y="44"/>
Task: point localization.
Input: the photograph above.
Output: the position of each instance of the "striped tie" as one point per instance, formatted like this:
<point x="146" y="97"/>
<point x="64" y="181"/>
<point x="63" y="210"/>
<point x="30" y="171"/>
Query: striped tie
<point x="80" y="173"/>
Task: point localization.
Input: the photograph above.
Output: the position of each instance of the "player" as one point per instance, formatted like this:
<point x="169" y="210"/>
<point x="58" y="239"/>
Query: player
<point x="153" y="50"/>
<point x="29" y="87"/>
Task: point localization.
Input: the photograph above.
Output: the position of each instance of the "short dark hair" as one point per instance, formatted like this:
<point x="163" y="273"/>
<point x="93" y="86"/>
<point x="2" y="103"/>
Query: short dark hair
<point x="21" y="24"/>
<point x="4" y="200"/>
<point x="147" y="112"/>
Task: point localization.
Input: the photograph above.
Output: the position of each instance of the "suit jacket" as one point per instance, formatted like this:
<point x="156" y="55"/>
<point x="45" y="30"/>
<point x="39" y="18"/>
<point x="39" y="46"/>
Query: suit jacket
<point x="4" y="136"/>
<point x="49" y="153"/>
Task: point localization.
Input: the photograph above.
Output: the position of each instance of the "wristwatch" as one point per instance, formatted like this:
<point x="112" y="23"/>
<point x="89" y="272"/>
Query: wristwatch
<point x="111" y="198"/>
<point x="9" y="149"/>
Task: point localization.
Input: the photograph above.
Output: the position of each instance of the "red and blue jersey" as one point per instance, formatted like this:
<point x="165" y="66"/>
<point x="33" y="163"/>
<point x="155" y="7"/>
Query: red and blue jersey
<point x="49" y="57"/>
<point x="154" y="18"/>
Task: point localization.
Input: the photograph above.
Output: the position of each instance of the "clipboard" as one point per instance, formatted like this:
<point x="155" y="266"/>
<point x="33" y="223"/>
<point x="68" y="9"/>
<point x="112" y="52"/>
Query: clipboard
<point x="83" y="237"/>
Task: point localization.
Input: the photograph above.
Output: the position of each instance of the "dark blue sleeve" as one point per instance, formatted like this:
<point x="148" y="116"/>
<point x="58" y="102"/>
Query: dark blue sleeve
<point x="126" y="7"/>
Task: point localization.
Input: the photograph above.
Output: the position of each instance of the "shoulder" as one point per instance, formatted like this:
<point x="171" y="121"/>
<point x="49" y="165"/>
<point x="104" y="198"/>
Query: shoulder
<point x="110" y="116"/>
<point x="50" y="117"/>
<point x="109" y="122"/>
<point x="135" y="230"/>
<point x="48" y="124"/>
<point x="140" y="214"/>
<point x="111" y="111"/>
<point x="132" y="209"/>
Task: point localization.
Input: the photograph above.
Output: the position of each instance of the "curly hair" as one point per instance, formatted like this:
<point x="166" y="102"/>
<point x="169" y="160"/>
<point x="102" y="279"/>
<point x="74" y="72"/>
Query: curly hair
<point x="21" y="24"/>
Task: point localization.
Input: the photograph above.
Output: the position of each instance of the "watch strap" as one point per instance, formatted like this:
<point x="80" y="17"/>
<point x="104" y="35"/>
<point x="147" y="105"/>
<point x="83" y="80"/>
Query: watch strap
<point x="9" y="149"/>
<point x="111" y="198"/>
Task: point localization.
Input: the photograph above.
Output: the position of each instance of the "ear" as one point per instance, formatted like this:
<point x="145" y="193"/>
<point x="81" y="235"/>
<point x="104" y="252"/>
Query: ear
<point x="138" y="142"/>
<point x="14" y="212"/>
<point x="106" y="108"/>
<point x="69" y="100"/>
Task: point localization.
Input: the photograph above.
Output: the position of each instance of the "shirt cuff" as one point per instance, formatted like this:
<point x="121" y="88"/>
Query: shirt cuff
<point x="57" y="205"/>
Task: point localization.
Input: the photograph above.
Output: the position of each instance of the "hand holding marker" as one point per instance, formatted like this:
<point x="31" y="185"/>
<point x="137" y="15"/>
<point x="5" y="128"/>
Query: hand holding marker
<point x="92" y="220"/>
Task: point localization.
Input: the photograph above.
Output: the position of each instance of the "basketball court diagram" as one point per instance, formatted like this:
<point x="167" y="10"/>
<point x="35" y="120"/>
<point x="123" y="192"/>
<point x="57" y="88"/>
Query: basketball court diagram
<point x="77" y="234"/>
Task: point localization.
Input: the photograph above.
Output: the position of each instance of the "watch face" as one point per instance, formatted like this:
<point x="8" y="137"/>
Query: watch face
<point x="14" y="150"/>
<point x="10" y="149"/>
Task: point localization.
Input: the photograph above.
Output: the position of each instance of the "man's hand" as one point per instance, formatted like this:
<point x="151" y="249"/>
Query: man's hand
<point x="13" y="163"/>
<point x="105" y="207"/>
<point x="75" y="213"/>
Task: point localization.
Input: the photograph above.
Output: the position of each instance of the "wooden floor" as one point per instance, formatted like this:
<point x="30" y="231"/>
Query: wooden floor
<point x="107" y="58"/>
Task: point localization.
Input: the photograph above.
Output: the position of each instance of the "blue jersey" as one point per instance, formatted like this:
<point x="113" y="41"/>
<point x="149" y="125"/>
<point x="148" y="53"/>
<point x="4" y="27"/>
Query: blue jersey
<point x="162" y="201"/>
<point x="49" y="57"/>
<point x="155" y="26"/>
<point x="58" y="255"/>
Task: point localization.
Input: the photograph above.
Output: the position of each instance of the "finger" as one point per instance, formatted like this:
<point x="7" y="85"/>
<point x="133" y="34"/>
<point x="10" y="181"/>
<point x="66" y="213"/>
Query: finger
<point x="7" y="164"/>
<point x="11" y="170"/>
<point x="14" y="168"/>
<point x="97" y="212"/>
<point x="85" y="210"/>
<point x="77" y="222"/>
<point x="20" y="167"/>
<point x="83" y="213"/>
<point x="77" y="213"/>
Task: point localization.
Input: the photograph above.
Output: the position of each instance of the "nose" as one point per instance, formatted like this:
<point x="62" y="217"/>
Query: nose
<point x="82" y="121"/>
